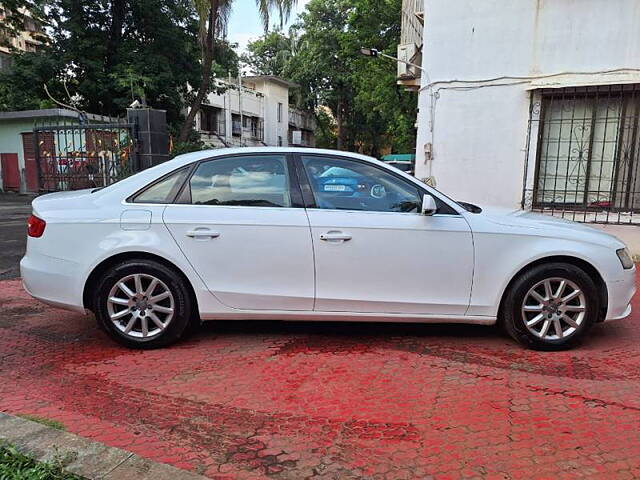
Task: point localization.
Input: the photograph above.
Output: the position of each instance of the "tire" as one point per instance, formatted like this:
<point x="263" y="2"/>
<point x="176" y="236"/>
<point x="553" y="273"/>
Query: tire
<point x="528" y="309"/>
<point x="160" y="298"/>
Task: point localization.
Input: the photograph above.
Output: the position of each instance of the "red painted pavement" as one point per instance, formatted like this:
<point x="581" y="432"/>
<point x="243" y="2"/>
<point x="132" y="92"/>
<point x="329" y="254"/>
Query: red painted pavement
<point x="256" y="400"/>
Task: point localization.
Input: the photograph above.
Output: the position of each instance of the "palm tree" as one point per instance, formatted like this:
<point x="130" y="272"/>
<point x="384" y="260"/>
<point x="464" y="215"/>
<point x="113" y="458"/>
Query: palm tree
<point x="212" y="19"/>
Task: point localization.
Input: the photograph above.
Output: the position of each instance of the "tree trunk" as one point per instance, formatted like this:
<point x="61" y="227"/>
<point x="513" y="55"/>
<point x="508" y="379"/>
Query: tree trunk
<point x="203" y="89"/>
<point x="115" y="33"/>
<point x="339" y="127"/>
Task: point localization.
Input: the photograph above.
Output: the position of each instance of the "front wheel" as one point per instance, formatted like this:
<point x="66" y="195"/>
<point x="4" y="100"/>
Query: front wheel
<point x="143" y="304"/>
<point x="551" y="306"/>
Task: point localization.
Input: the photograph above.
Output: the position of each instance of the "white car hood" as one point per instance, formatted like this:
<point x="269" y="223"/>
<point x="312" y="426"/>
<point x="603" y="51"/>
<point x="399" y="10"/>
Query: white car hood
<point x="550" y="226"/>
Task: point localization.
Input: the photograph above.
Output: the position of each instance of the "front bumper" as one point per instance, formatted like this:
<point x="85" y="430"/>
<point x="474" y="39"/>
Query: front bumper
<point x="620" y="294"/>
<point x="53" y="281"/>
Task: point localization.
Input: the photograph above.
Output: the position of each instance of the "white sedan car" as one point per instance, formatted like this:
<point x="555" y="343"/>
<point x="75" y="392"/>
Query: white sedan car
<point x="307" y="234"/>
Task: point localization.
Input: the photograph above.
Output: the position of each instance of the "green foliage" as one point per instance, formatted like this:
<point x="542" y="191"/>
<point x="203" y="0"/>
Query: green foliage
<point x="269" y="54"/>
<point x="111" y="52"/>
<point x="44" y="421"/>
<point x="367" y="111"/>
<point x="17" y="466"/>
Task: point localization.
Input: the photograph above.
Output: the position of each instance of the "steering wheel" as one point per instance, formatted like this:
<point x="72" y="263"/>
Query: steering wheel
<point x="378" y="191"/>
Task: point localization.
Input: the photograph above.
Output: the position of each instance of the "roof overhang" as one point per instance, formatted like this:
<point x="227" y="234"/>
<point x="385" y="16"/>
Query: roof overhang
<point x="586" y="80"/>
<point x="272" y="78"/>
<point x="48" y="113"/>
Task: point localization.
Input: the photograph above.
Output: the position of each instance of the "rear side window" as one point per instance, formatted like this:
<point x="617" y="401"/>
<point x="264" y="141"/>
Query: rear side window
<point x="251" y="180"/>
<point x="164" y="190"/>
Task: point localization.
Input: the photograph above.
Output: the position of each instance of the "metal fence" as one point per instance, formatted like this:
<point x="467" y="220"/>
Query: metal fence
<point x="71" y="156"/>
<point x="586" y="148"/>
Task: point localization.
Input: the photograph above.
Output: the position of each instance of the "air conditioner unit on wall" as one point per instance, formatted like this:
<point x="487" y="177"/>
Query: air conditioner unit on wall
<point x="408" y="52"/>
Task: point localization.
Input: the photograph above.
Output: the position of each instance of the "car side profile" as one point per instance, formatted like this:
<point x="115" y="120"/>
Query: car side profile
<point x="310" y="234"/>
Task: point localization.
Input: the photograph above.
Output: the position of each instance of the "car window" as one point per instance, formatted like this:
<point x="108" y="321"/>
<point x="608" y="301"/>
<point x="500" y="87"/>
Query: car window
<point x="162" y="191"/>
<point x="343" y="184"/>
<point x="252" y="180"/>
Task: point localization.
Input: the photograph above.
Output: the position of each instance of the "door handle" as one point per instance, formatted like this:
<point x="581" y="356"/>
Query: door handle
<point x="202" y="233"/>
<point x="335" y="236"/>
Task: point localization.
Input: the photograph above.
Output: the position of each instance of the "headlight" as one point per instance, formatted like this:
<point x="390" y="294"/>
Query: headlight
<point x="625" y="258"/>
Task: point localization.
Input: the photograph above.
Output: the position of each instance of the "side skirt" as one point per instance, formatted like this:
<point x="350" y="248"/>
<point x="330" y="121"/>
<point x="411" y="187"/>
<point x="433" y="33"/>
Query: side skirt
<point x="349" y="317"/>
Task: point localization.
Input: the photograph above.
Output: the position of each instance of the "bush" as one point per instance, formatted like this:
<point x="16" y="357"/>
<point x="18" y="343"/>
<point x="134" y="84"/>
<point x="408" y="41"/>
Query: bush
<point x="17" y="466"/>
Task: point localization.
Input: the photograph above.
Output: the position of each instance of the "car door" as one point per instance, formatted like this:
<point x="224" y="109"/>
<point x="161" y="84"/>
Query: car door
<point x="240" y="223"/>
<point x="374" y="251"/>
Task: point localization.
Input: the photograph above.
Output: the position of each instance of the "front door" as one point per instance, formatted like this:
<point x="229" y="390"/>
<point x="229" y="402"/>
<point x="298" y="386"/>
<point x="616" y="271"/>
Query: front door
<point x="374" y="251"/>
<point x="239" y="227"/>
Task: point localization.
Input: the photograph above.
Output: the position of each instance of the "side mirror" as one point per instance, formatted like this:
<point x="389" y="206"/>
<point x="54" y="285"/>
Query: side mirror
<point x="429" y="206"/>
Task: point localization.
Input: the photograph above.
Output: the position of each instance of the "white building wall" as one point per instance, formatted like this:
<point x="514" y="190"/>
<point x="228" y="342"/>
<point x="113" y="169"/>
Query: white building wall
<point x="472" y="119"/>
<point x="275" y="93"/>
<point x="259" y="97"/>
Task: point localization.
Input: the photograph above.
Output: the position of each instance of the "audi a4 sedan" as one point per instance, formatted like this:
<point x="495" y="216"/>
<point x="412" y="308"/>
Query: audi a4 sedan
<point x="309" y="234"/>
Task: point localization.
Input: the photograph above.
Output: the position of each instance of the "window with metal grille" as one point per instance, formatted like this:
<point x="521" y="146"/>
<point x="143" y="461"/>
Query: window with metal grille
<point x="588" y="149"/>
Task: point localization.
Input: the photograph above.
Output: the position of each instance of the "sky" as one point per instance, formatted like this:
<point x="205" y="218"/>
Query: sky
<point x="245" y="25"/>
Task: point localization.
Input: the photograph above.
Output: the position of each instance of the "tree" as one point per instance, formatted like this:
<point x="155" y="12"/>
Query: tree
<point x="110" y="52"/>
<point x="212" y="19"/>
<point x="270" y="54"/>
<point x="357" y="102"/>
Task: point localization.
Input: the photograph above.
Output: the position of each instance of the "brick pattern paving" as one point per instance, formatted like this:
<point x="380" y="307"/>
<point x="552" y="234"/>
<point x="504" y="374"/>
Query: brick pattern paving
<point x="251" y="400"/>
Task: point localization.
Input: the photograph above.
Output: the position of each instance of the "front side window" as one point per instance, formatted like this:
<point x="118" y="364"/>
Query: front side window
<point x="343" y="184"/>
<point x="162" y="191"/>
<point x="252" y="181"/>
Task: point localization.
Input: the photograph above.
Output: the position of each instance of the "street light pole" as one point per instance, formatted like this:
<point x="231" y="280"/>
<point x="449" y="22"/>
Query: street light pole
<point x="372" y="52"/>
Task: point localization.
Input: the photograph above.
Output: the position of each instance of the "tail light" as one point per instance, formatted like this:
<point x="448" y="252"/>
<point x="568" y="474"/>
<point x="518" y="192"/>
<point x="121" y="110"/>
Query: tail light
<point x="35" y="226"/>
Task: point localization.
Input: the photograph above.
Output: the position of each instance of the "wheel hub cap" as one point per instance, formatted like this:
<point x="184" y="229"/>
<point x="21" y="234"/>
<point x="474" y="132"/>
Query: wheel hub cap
<point x="140" y="306"/>
<point x="554" y="308"/>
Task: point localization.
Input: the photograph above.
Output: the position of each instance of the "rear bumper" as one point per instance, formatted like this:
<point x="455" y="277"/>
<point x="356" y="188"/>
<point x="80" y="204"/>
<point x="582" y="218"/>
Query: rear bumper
<point x="620" y="294"/>
<point x="53" y="281"/>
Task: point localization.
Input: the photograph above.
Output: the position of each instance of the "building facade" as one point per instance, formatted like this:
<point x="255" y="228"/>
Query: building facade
<point x="253" y="111"/>
<point x="28" y="40"/>
<point x="534" y="104"/>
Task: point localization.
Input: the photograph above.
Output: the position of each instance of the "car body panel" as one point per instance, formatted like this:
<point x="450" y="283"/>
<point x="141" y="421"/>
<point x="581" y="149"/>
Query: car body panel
<point x="394" y="262"/>
<point x="261" y="258"/>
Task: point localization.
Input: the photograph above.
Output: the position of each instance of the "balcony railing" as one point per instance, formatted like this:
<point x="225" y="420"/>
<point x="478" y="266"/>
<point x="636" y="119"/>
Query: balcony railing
<point x="301" y="119"/>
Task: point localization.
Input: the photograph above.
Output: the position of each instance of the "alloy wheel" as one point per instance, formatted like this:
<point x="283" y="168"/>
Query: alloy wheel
<point x="140" y="306"/>
<point x="554" y="308"/>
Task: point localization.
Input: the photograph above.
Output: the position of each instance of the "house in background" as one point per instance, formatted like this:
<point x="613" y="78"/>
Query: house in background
<point x="28" y="40"/>
<point x="59" y="149"/>
<point x="18" y="169"/>
<point x="253" y="111"/>
<point x="533" y="104"/>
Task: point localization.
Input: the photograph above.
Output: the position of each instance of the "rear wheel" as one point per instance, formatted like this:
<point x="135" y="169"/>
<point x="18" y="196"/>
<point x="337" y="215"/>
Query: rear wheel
<point x="551" y="306"/>
<point x="143" y="304"/>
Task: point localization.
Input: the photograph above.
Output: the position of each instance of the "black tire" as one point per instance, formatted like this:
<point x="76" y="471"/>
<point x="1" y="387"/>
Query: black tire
<point x="183" y="317"/>
<point x="512" y="306"/>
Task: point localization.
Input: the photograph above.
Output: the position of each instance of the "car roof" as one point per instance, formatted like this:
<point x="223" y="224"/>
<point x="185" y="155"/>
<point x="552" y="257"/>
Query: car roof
<point x="216" y="152"/>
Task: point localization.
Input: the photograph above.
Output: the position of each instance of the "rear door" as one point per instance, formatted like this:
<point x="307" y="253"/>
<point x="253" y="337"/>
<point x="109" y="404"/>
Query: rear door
<point x="241" y="223"/>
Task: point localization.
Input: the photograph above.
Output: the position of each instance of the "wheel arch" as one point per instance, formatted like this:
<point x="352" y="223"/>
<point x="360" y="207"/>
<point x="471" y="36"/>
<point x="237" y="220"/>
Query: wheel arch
<point x="578" y="262"/>
<point x="103" y="266"/>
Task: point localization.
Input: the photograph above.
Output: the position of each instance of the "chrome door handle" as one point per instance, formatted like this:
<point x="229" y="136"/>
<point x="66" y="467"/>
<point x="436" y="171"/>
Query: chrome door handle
<point x="335" y="236"/>
<point x="202" y="233"/>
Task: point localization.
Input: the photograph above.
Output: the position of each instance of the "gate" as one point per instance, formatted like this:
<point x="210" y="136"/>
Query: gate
<point x="72" y="156"/>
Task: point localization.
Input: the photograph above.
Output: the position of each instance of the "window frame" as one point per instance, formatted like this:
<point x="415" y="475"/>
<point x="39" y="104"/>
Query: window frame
<point x="310" y="200"/>
<point x="626" y="93"/>
<point x="295" y="193"/>
<point x="173" y="195"/>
